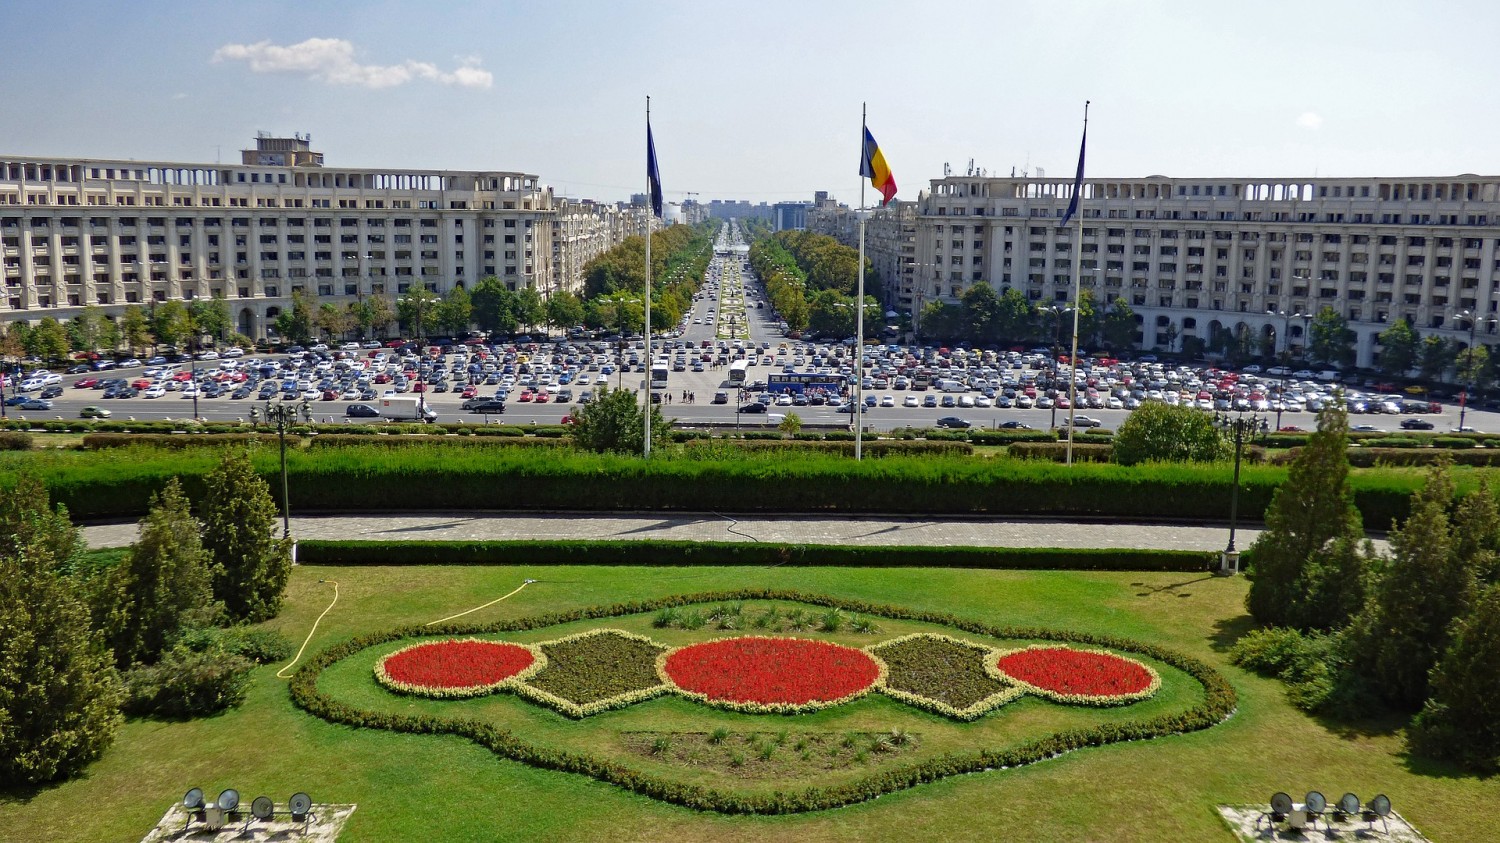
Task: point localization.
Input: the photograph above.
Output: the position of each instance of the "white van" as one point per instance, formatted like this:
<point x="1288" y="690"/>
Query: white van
<point x="950" y="385"/>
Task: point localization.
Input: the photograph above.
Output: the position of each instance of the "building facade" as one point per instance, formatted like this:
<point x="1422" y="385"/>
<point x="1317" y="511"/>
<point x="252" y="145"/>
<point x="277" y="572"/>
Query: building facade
<point x="110" y="234"/>
<point x="1197" y="257"/>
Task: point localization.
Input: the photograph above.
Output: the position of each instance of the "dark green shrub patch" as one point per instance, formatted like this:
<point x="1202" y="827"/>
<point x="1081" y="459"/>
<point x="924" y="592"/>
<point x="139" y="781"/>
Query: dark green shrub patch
<point x="14" y="440"/>
<point x="1010" y="437"/>
<point x="188" y="683"/>
<point x="873" y="447"/>
<point x="100" y="441"/>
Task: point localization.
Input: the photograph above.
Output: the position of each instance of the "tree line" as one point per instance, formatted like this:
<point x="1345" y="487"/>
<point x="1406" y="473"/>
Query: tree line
<point x="811" y="279"/>
<point x="986" y="318"/>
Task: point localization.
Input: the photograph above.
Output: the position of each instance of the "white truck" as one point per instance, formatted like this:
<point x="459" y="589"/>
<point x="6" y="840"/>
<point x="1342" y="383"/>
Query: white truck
<point x="402" y="408"/>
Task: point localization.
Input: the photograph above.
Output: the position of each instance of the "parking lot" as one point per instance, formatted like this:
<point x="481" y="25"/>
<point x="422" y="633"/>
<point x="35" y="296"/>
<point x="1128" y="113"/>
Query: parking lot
<point x="537" y="380"/>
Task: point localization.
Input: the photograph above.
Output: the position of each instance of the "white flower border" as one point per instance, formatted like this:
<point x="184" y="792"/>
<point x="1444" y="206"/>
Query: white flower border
<point x="769" y="708"/>
<point x="576" y="711"/>
<point x="539" y="661"/>
<point x="992" y="666"/>
<point x="1013" y="691"/>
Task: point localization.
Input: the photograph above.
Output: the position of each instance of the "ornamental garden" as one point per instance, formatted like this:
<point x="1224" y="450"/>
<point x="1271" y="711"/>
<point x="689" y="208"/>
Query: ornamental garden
<point x="869" y="699"/>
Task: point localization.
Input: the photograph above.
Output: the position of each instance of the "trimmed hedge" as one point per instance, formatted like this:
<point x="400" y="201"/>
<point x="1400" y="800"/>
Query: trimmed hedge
<point x="1218" y="704"/>
<point x="652" y="553"/>
<point x="340" y="440"/>
<point x="1371" y="457"/>
<point x="1058" y="451"/>
<point x="101" y="441"/>
<point x="873" y="447"/>
<point x="1010" y="437"/>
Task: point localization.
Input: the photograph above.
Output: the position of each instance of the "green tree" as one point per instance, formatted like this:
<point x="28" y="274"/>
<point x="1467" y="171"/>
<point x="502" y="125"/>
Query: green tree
<point x="47" y="340"/>
<point x="1423" y="587"/>
<point x="982" y="314"/>
<point x="790" y="424"/>
<point x="416" y="309"/>
<point x="60" y="695"/>
<point x="1308" y="571"/>
<point x="455" y="312"/>
<point x="1168" y="433"/>
<point x="333" y="321"/>
<point x="1436" y="356"/>
<point x="494" y="306"/>
<point x="210" y="317"/>
<point x="941" y="321"/>
<point x="250" y="566"/>
<point x="615" y="422"/>
<point x="1398" y="349"/>
<point x="564" y="310"/>
<point x="1458" y="722"/>
<point x="163" y="582"/>
<point x="85" y="329"/>
<point x="529" y="309"/>
<point x="1331" y="341"/>
<point x="1117" y="329"/>
<point x="295" y="325"/>
<point x="372" y="314"/>
<point x="109" y="335"/>
<point x="1014" y="316"/>
<point x="171" y="323"/>
<point x="1473" y="368"/>
<point x="136" y="329"/>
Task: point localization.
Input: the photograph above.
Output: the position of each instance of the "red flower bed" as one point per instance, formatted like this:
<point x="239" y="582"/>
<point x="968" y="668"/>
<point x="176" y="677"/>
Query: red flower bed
<point x="454" y="668"/>
<point x="770" y="674"/>
<point x="1079" y="675"/>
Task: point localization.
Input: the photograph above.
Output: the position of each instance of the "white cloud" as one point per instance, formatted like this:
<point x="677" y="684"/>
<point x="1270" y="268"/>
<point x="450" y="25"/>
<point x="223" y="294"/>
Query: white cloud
<point x="331" y="60"/>
<point x="1310" y="120"/>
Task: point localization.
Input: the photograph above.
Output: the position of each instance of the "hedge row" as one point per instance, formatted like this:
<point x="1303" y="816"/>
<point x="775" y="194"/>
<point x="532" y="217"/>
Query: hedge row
<point x="653" y="553"/>
<point x="102" y="441"/>
<point x="359" y="478"/>
<point x="340" y="440"/>
<point x="1058" y="451"/>
<point x="873" y="447"/>
<point x="1218" y="704"/>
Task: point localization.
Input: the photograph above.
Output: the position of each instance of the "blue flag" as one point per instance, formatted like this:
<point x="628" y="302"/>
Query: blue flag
<point x="1078" y="180"/>
<point x="652" y="176"/>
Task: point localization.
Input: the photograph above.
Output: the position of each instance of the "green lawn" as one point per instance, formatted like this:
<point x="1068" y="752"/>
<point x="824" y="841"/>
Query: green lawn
<point x="407" y="786"/>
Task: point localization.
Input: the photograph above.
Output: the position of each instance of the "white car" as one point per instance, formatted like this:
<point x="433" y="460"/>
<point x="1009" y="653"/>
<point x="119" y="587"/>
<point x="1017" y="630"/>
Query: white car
<point x="885" y="401"/>
<point x="909" y="401"/>
<point x="982" y="401"/>
<point x="157" y="391"/>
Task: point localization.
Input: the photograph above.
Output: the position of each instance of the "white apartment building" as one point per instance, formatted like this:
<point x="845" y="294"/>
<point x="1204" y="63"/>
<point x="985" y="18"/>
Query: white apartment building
<point x="108" y="233"/>
<point x="1194" y="257"/>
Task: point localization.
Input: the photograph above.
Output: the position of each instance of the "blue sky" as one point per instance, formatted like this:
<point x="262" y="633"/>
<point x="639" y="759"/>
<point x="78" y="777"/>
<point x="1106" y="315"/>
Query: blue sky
<point x="761" y="100"/>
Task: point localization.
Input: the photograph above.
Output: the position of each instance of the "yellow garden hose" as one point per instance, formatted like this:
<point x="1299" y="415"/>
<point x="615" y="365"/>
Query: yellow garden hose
<point x="485" y="606"/>
<point x="310" y="632"/>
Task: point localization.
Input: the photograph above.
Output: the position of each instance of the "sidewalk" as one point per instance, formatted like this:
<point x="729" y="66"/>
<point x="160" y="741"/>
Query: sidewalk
<point x="709" y="527"/>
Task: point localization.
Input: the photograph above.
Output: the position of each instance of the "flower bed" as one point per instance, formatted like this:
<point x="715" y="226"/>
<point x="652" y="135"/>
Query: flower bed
<point x="1079" y="677"/>
<point x="943" y="674"/>
<point x="457" y="668"/>
<point x="595" y="671"/>
<point x="769" y="675"/>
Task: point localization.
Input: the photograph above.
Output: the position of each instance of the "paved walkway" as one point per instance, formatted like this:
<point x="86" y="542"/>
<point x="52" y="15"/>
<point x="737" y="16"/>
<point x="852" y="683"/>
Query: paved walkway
<point x="709" y="527"/>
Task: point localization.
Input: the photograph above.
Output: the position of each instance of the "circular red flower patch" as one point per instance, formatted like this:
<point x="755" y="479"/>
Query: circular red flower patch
<point x="455" y="665"/>
<point x="1077" y="673"/>
<point x="771" y="673"/>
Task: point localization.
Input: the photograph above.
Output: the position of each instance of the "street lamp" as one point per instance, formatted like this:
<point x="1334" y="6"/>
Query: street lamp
<point x="1463" y="406"/>
<point x="1286" y="351"/>
<point x="1239" y="426"/>
<point x="283" y="415"/>
<point x="1057" y="315"/>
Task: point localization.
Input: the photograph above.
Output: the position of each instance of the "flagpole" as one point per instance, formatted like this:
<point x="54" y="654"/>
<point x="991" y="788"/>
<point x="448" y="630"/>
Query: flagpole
<point x="650" y="356"/>
<point x="859" y="312"/>
<point x="1077" y="291"/>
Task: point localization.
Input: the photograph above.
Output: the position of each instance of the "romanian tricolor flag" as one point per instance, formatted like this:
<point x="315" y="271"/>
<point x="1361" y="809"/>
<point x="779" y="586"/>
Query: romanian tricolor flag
<point x="873" y="167"/>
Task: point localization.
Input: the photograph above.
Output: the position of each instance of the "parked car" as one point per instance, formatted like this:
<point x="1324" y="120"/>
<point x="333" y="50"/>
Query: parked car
<point x="36" y="404"/>
<point x="1014" y="425"/>
<point x="952" y="421"/>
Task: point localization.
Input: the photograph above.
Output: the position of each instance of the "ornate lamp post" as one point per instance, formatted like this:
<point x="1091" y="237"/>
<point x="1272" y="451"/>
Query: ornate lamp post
<point x="1241" y="427"/>
<point x="283" y="415"/>
<point x="1286" y="354"/>
<point x="1463" y="407"/>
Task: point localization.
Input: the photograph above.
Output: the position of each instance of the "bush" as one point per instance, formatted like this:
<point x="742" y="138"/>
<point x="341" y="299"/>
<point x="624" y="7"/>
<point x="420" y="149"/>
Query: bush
<point x="1306" y="663"/>
<point x="1158" y="432"/>
<point x="1010" y="437"/>
<point x="873" y="447"/>
<point x="188" y="683"/>
<point x="14" y="441"/>
<point x="1454" y="442"/>
<point x="100" y="441"/>
<point x="1393" y="442"/>
<point x="261" y="646"/>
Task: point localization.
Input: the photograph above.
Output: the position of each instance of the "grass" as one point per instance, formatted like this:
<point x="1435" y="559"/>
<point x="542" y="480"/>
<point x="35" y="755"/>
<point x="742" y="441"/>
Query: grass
<point x="405" y="785"/>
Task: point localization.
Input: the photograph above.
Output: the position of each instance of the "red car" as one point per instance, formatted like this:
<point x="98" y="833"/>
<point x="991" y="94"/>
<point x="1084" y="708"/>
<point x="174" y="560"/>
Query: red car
<point x="542" y="398"/>
<point x="528" y="395"/>
<point x="86" y="383"/>
<point x="470" y="392"/>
